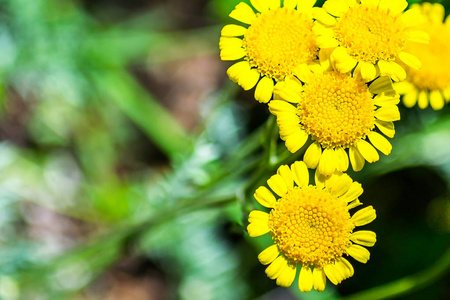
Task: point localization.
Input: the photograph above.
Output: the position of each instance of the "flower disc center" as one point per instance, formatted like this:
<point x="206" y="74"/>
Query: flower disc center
<point x="278" y="41"/>
<point x="336" y="110"/>
<point x="310" y="226"/>
<point x="371" y="33"/>
<point x="434" y="74"/>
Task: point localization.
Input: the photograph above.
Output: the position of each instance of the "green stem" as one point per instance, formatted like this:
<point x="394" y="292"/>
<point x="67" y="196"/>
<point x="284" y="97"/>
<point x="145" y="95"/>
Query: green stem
<point x="144" y="110"/>
<point x="407" y="284"/>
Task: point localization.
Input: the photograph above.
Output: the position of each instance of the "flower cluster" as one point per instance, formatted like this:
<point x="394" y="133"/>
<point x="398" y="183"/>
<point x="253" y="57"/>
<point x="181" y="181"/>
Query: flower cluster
<point x="333" y="77"/>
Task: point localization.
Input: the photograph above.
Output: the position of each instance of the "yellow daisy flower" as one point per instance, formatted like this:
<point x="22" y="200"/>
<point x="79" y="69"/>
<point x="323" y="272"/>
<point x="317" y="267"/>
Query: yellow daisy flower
<point x="311" y="227"/>
<point x="430" y="84"/>
<point x="338" y="112"/>
<point x="277" y="42"/>
<point x="369" y="35"/>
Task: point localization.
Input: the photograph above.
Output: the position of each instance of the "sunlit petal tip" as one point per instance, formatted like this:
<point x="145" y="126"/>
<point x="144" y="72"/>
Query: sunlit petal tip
<point x="278" y="185"/>
<point x="356" y="159"/>
<point x="264" y="90"/>
<point x="287" y="276"/>
<point x="243" y="13"/>
<point x="380" y="142"/>
<point x="301" y="174"/>
<point x="364" y="216"/>
<point x="319" y="279"/>
<point x="232" y="30"/>
<point x="276" y="267"/>
<point x="265" y="197"/>
<point x="305" y="280"/>
<point x="296" y="141"/>
<point x="364" y="237"/>
<point x="257" y="229"/>
<point x="312" y="155"/>
<point x="359" y="253"/>
<point x="268" y="255"/>
<point x="327" y="163"/>
<point x="285" y="172"/>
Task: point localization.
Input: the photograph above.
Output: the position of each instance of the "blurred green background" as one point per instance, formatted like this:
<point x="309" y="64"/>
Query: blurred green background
<point x="128" y="162"/>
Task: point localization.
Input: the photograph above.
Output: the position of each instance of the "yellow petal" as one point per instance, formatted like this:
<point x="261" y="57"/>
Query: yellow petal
<point x="446" y="93"/>
<point x="305" y="4"/>
<point x="336" y="7"/>
<point x="236" y="70"/>
<point x="268" y="255"/>
<point x="422" y="99"/>
<point x="257" y="216"/>
<point x="403" y="87"/>
<point x="342" y="269"/>
<point x="312" y="155"/>
<point x="382" y="84"/>
<point x="387" y="128"/>
<point x="355" y="190"/>
<point x="260" y="5"/>
<point x="359" y="253"/>
<point x="342" y="159"/>
<point x="319" y="279"/>
<point x="303" y="72"/>
<point x="380" y="142"/>
<point x="394" y="6"/>
<point x="412" y="18"/>
<point x="364" y="237"/>
<point x="368" y="151"/>
<point x="243" y="13"/>
<point x="382" y="99"/>
<point x="324" y="58"/>
<point x="322" y="16"/>
<point x="338" y="184"/>
<point x="289" y="90"/>
<point x="232" y="53"/>
<point x="354" y="204"/>
<point x="364" y="216"/>
<point x="320" y="179"/>
<point x="273" y="4"/>
<point x="368" y="71"/>
<point x="276" y="267"/>
<point x="394" y="70"/>
<point x="233" y="30"/>
<point x="388" y="113"/>
<point x="265" y="197"/>
<point x="345" y="267"/>
<point x="324" y="42"/>
<point x="285" y="172"/>
<point x="301" y="174"/>
<point x="264" y="90"/>
<point x="257" y="229"/>
<point x="287" y="130"/>
<point x="418" y="36"/>
<point x="327" y="163"/>
<point x="230" y="42"/>
<point x="356" y="159"/>
<point x="437" y="13"/>
<point x="295" y="141"/>
<point x="277" y="184"/>
<point x="248" y="79"/>
<point x="305" y="280"/>
<point x="290" y="3"/>
<point x="280" y="106"/>
<point x="343" y="61"/>
<point x="436" y="100"/>
<point x="333" y="274"/>
<point x="370" y="2"/>
<point x="410" y="60"/>
<point x="287" y="276"/>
